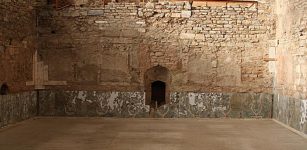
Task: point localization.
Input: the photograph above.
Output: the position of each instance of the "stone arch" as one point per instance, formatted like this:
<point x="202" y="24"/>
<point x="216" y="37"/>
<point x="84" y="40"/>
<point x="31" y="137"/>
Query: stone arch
<point x="154" y="75"/>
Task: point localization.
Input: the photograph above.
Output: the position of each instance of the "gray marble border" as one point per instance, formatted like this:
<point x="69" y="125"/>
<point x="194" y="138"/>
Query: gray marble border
<point x="291" y="112"/>
<point x="132" y="104"/>
<point x="17" y="107"/>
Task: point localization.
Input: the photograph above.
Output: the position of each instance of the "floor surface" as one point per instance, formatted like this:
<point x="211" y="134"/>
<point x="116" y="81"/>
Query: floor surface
<point x="149" y="134"/>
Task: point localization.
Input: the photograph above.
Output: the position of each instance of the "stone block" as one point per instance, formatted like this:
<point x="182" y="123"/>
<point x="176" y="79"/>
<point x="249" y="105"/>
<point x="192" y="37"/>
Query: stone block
<point x="143" y="30"/>
<point x="216" y="4"/>
<point x="179" y="3"/>
<point x="140" y="22"/>
<point x="80" y="2"/>
<point x="158" y="54"/>
<point x="160" y="15"/>
<point x="101" y="21"/>
<point x="200" y="37"/>
<point x="198" y="4"/>
<point x="214" y="63"/>
<point x="129" y="33"/>
<point x="176" y="15"/>
<point x="272" y="66"/>
<point x="149" y="14"/>
<point x="187" y="5"/>
<point x="187" y="36"/>
<point x="272" y="52"/>
<point x="140" y="13"/>
<point x="111" y="33"/>
<point x="186" y="14"/>
<point x="233" y="4"/>
<point x="227" y="26"/>
<point x="197" y="28"/>
<point x="95" y="12"/>
<point x="150" y="5"/>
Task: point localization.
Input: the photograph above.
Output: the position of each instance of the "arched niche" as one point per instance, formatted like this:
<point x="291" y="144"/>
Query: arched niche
<point x="4" y="89"/>
<point x="157" y="77"/>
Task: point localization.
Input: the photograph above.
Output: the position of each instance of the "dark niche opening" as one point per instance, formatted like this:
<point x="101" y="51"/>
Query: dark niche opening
<point x="4" y="90"/>
<point x="157" y="86"/>
<point x="158" y="93"/>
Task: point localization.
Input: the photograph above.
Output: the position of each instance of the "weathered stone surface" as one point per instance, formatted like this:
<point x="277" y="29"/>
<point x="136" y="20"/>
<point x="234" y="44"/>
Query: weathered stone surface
<point x="17" y="107"/>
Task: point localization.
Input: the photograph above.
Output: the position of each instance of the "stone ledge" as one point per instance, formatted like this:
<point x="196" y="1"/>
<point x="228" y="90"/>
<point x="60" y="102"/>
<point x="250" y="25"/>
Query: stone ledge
<point x="229" y="3"/>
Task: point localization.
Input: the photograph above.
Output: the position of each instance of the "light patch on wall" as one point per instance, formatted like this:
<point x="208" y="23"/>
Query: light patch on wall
<point x="81" y="95"/>
<point x="228" y="59"/>
<point x="219" y="108"/>
<point x="201" y="105"/>
<point x="199" y="69"/>
<point x="192" y="97"/>
<point x="111" y="100"/>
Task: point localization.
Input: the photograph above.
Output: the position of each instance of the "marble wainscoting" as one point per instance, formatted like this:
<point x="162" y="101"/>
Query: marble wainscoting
<point x="291" y="112"/>
<point x="132" y="104"/>
<point x="17" y="107"/>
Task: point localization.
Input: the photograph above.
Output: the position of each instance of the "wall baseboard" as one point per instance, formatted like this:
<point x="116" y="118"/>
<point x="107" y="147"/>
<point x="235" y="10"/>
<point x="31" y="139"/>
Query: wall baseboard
<point x="291" y="129"/>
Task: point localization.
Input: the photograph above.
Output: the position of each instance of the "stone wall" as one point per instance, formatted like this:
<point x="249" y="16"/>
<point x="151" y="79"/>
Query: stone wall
<point x="291" y="66"/>
<point x="219" y="55"/>
<point x="207" y="46"/>
<point x="215" y="52"/>
<point x="17" y="107"/>
<point x="132" y="104"/>
<point x="17" y="43"/>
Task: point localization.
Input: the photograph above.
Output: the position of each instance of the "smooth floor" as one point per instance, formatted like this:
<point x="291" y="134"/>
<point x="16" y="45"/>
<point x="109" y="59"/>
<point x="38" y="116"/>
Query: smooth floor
<point x="148" y="134"/>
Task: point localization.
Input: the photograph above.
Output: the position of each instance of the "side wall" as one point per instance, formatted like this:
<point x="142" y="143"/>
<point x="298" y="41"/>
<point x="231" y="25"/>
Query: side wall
<point x="290" y="94"/>
<point x="17" y="46"/>
<point x="17" y="43"/>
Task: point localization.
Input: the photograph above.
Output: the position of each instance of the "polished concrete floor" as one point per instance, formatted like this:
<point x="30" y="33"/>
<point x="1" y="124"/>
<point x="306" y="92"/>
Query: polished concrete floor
<point x="148" y="134"/>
